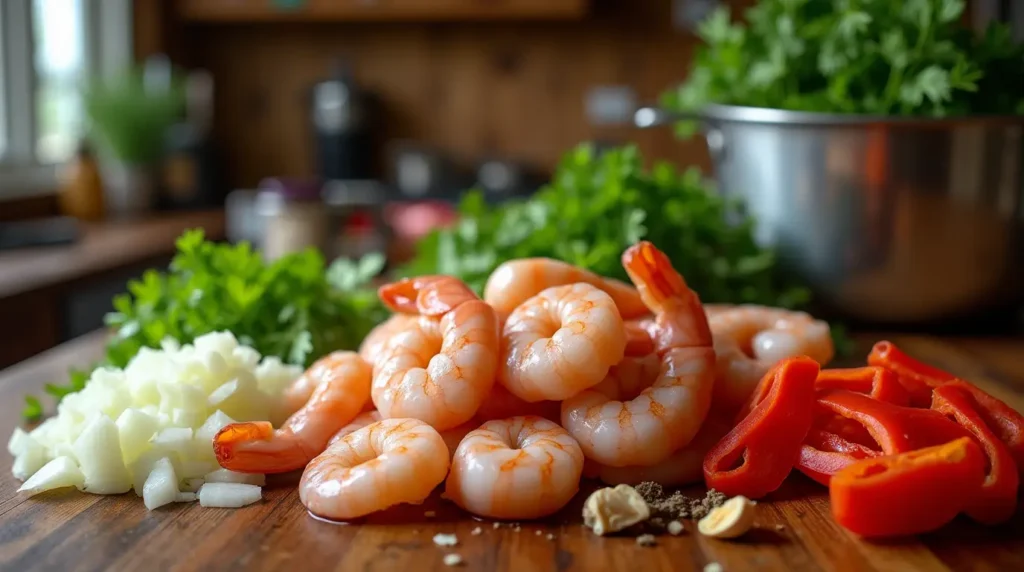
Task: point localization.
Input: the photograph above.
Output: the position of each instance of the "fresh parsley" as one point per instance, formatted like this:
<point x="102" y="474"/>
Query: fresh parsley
<point x="854" y="56"/>
<point x="293" y="308"/>
<point x="595" y="206"/>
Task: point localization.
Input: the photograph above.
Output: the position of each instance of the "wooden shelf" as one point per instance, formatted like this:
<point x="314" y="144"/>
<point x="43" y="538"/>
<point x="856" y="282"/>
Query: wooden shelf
<point x="228" y="11"/>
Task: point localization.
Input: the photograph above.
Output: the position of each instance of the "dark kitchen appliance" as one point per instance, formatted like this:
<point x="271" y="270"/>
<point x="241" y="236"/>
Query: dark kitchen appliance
<point x="342" y="117"/>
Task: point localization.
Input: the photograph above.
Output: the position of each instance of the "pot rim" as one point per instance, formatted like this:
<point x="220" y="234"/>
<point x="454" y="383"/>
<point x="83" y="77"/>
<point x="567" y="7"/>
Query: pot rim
<point x="720" y="113"/>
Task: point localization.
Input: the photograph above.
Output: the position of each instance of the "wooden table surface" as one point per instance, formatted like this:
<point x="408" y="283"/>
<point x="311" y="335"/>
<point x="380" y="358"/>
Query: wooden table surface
<point x="68" y="530"/>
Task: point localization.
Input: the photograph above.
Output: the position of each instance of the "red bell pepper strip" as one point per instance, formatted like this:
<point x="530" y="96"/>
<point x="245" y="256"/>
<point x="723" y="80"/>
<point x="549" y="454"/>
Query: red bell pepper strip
<point x="998" y="499"/>
<point x="1003" y="420"/>
<point x="766" y="443"/>
<point x="824" y="454"/>
<point x="896" y="429"/>
<point x="876" y="381"/>
<point x="847" y="429"/>
<point x="909" y="493"/>
<point x="918" y="378"/>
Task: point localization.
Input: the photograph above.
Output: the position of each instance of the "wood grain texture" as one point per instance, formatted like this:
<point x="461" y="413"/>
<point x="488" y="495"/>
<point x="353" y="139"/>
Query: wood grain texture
<point x="73" y="531"/>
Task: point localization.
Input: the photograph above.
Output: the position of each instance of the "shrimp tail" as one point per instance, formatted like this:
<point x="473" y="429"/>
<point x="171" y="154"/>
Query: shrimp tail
<point x="251" y="447"/>
<point x="426" y="295"/>
<point x="652" y="273"/>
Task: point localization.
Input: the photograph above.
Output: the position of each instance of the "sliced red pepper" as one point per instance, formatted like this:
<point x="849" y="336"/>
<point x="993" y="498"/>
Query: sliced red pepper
<point x="766" y="443"/>
<point x="910" y="493"/>
<point x="876" y="381"/>
<point x="896" y="429"/>
<point x="1006" y="422"/>
<point x="848" y="429"/>
<point x="998" y="499"/>
<point x="824" y="454"/>
<point x="918" y="378"/>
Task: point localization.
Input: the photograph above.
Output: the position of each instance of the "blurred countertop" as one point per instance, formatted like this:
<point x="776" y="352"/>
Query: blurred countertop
<point x="103" y="247"/>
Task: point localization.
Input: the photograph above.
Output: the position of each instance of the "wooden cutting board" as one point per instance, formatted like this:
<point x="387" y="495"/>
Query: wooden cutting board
<point x="68" y="530"/>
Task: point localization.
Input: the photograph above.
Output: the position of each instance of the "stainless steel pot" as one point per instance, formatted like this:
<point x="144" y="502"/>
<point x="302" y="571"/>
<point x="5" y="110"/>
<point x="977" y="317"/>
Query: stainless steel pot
<point x="894" y="220"/>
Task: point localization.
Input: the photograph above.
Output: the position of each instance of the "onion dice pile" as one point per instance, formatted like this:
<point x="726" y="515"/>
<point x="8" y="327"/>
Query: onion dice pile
<point x="150" y="427"/>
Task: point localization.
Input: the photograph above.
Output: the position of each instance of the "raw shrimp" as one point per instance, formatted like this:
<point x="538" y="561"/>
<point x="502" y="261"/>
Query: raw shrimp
<point x="500" y="404"/>
<point x="516" y="281"/>
<point x="665" y="416"/>
<point x="386" y="463"/>
<point x="750" y="339"/>
<point x="452" y="437"/>
<point x="361" y="420"/>
<point x="374" y="343"/>
<point x="255" y="447"/>
<point x="683" y="467"/>
<point x="437" y="369"/>
<point x="523" y="467"/>
<point x="560" y="342"/>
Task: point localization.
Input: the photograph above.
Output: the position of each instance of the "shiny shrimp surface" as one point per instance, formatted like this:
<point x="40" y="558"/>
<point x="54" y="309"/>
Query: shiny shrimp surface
<point x="386" y="463"/>
<point x="664" y="417"/>
<point x="374" y="343"/>
<point x="523" y="467"/>
<point x="500" y="404"/>
<point x="361" y="420"/>
<point x="516" y="281"/>
<point x="340" y="387"/>
<point x="438" y="368"/>
<point x="750" y="339"/>
<point x="560" y="342"/>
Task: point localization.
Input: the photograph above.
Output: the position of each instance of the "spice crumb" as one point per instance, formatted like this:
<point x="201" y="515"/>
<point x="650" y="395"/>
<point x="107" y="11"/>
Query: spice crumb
<point x="477" y="531"/>
<point x="430" y="514"/>
<point x="713" y="567"/>
<point x="453" y="560"/>
<point x="539" y="533"/>
<point x="780" y="527"/>
<point x="446" y="540"/>
<point x="675" y="528"/>
<point x="551" y="536"/>
<point x="646" y="540"/>
<point x="496" y="525"/>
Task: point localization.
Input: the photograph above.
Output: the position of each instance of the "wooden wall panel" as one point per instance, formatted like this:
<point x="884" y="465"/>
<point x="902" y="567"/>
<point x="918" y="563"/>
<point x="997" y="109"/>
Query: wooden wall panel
<point x="472" y="89"/>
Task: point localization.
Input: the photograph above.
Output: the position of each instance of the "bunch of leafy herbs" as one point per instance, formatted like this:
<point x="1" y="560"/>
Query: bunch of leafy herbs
<point x="293" y="308"/>
<point x="597" y="205"/>
<point x="909" y="58"/>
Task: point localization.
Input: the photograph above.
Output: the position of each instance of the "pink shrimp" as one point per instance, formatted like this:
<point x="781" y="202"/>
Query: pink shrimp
<point x="501" y="404"/>
<point x="341" y="388"/>
<point x="665" y="416"/>
<point x="377" y="340"/>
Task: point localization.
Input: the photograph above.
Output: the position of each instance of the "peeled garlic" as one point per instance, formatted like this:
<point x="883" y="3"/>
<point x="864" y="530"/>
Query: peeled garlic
<point x="612" y="509"/>
<point x="730" y="520"/>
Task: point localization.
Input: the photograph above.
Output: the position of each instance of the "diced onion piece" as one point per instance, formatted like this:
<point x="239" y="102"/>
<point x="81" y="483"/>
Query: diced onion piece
<point x="161" y="486"/>
<point x="57" y="474"/>
<point x="229" y="495"/>
<point x="186" y="497"/>
<point x="98" y="451"/>
<point x="193" y="469"/>
<point x="192" y="485"/>
<point x="135" y="429"/>
<point x="226" y="476"/>
<point x="19" y="440"/>
<point x="31" y="458"/>
<point x="173" y="437"/>
<point x="143" y="466"/>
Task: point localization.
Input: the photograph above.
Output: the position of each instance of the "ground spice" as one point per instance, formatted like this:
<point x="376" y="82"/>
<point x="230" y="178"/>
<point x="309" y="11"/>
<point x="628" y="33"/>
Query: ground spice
<point x="667" y="507"/>
<point x="646" y="540"/>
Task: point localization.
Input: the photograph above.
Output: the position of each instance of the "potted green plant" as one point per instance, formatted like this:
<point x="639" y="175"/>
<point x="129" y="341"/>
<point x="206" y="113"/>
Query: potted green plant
<point x="877" y="144"/>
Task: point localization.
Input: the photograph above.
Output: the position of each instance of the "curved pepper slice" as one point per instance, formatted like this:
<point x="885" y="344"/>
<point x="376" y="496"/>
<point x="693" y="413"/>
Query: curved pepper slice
<point x="766" y="443"/>
<point x="876" y="381"/>
<point x="1006" y="422"/>
<point x="918" y="378"/>
<point x="910" y="493"/>
<point x="824" y="454"/>
<point x="998" y="499"/>
<point x="896" y="429"/>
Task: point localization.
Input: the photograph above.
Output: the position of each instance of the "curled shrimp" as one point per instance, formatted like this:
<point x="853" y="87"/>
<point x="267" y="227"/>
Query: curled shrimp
<point x="523" y="467"/>
<point x="500" y="404"/>
<point x="665" y="416"/>
<point x="750" y="339"/>
<point x="516" y="281"/>
<point x="386" y="463"/>
<point x="376" y="341"/>
<point x="341" y="387"/>
<point x="560" y="342"/>
<point x="454" y="436"/>
<point x="440" y="367"/>
<point x="361" y="420"/>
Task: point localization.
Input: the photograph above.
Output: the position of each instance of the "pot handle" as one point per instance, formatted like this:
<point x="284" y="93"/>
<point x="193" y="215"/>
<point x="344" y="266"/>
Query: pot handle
<point x="647" y="117"/>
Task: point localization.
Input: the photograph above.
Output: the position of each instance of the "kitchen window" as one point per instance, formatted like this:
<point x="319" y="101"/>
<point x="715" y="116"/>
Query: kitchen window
<point x="47" y="49"/>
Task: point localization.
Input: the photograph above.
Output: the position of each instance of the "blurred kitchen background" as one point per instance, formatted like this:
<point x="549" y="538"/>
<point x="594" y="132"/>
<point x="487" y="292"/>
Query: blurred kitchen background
<point x="351" y="125"/>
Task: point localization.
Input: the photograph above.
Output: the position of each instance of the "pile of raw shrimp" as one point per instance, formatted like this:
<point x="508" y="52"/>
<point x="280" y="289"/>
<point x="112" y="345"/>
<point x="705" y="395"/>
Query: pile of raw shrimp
<point x="509" y="401"/>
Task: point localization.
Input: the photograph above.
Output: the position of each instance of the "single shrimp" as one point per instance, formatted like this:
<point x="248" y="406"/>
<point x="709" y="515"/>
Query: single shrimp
<point x="361" y="420"/>
<point x="523" y="467"/>
<point x="255" y="447"/>
<point x="501" y="404"/>
<point x="440" y="367"/>
<point x="376" y="341"/>
<point x="560" y="342"/>
<point x="683" y="467"/>
<point x="750" y="339"/>
<point x="516" y="281"/>
<point x="386" y="463"/>
<point x="453" y="437"/>
<point x="665" y="416"/>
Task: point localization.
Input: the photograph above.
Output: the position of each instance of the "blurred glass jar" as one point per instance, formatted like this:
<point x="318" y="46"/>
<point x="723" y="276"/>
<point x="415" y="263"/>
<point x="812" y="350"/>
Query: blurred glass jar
<point x="295" y="217"/>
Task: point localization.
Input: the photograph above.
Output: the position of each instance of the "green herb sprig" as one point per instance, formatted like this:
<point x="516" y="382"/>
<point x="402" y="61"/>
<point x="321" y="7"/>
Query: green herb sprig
<point x="909" y="58"/>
